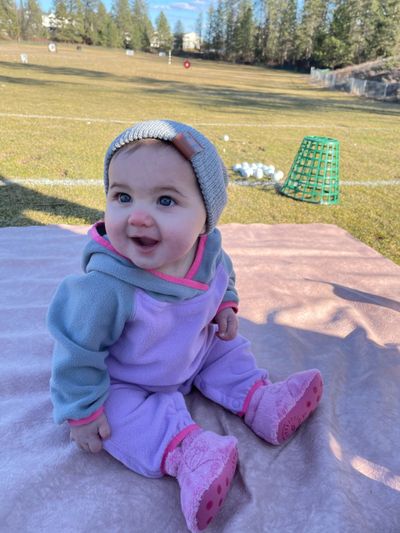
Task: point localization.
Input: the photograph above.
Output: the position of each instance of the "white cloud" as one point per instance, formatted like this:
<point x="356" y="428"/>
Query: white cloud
<point x="162" y="7"/>
<point x="199" y="2"/>
<point x="183" y="5"/>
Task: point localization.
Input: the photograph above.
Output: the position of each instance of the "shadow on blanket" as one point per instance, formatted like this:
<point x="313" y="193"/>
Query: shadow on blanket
<point x="340" y="473"/>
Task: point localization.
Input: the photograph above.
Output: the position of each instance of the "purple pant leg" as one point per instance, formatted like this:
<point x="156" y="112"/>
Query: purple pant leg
<point x="142" y="425"/>
<point x="229" y="372"/>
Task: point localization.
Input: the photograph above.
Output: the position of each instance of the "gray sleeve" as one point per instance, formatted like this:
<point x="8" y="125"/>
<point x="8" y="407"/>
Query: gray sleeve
<point x="87" y="315"/>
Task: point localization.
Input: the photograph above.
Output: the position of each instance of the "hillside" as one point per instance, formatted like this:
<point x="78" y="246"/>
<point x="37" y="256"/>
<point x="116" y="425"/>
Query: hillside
<point x="383" y="70"/>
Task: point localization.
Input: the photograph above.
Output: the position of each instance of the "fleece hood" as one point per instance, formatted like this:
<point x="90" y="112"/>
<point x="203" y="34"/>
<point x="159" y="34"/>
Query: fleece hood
<point x="100" y="256"/>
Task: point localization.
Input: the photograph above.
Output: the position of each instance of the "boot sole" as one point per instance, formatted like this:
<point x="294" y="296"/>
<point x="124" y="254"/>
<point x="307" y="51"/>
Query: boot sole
<point x="213" y="498"/>
<point x="302" y="410"/>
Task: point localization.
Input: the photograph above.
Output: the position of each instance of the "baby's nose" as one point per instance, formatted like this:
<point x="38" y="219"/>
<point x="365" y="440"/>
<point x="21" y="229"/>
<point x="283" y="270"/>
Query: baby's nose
<point x="140" y="217"/>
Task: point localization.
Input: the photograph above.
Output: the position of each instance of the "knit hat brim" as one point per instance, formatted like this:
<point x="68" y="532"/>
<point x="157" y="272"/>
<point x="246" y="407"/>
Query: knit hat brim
<point x="208" y="167"/>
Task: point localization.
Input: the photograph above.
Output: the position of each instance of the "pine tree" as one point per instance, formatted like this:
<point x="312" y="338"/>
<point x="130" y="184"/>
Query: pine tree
<point x="178" y="36"/>
<point x="273" y="13"/>
<point x="345" y="42"/>
<point x="142" y="29"/>
<point x="89" y="8"/>
<point x="244" y="33"/>
<point x="75" y="16"/>
<point x="230" y="31"/>
<point x="58" y="31"/>
<point x="165" y="37"/>
<point x="312" y="28"/>
<point x="218" y="42"/>
<point x="31" y="21"/>
<point x="286" y="39"/>
<point x="9" y="23"/>
<point x="199" y="27"/>
<point x="261" y="34"/>
<point x="383" y="36"/>
<point x="100" y="25"/>
<point x="123" y="21"/>
<point x="113" y="35"/>
<point x="210" y="28"/>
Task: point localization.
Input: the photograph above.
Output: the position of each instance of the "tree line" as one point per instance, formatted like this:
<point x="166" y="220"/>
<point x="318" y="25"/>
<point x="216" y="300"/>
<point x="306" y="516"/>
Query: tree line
<point x="325" y="33"/>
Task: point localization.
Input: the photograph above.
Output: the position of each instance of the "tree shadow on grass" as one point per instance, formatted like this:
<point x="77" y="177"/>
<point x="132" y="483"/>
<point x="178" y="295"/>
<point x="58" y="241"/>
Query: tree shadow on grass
<point x="15" y="200"/>
<point x="63" y="71"/>
<point x="262" y="98"/>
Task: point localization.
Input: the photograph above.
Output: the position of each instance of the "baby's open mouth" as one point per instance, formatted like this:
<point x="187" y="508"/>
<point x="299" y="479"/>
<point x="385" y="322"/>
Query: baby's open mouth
<point x="144" y="242"/>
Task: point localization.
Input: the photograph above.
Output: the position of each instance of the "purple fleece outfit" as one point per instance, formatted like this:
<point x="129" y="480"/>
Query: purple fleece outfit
<point x="136" y="342"/>
<point x="175" y="347"/>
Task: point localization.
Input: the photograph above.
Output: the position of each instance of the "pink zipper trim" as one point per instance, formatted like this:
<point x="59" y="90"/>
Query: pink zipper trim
<point x="87" y="419"/>
<point x="198" y="259"/>
<point x="180" y="281"/>
<point x="175" y="442"/>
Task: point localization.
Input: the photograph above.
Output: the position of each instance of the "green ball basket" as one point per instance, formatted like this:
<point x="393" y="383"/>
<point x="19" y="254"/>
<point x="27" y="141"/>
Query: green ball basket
<point x="314" y="175"/>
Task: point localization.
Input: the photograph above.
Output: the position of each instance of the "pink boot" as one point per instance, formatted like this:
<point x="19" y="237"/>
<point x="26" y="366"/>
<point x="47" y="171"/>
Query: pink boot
<point x="204" y="465"/>
<point x="276" y="410"/>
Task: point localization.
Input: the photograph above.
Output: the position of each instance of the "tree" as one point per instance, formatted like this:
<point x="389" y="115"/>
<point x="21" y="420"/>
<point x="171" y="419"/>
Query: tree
<point x="199" y="27"/>
<point x="89" y="15"/>
<point x="31" y="20"/>
<point x="73" y="30"/>
<point x="142" y="29"/>
<point x="123" y="21"/>
<point x="383" y="36"/>
<point x="230" y="31"/>
<point x="286" y="39"/>
<point x="210" y="28"/>
<point x="106" y="31"/>
<point x="245" y="32"/>
<point x="270" y="41"/>
<point x="178" y="36"/>
<point x="218" y="42"/>
<point x="165" y="38"/>
<point x="113" y="36"/>
<point x="9" y="27"/>
<point x="59" y="30"/>
<point x="313" y="26"/>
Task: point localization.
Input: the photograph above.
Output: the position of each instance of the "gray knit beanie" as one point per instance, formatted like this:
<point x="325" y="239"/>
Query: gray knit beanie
<point x="208" y="167"/>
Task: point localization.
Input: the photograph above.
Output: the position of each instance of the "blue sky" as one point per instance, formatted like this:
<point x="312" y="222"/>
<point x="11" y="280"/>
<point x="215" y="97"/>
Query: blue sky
<point x="186" y="12"/>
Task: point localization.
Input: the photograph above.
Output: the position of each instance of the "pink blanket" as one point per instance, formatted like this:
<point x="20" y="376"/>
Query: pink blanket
<point x="311" y="296"/>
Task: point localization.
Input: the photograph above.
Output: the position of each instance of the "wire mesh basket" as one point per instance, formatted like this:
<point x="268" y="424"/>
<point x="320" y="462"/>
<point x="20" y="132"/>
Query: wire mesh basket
<point x="314" y="175"/>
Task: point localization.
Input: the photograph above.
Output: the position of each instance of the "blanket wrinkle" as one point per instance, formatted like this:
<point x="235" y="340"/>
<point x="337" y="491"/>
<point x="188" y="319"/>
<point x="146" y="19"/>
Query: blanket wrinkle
<point x="312" y="296"/>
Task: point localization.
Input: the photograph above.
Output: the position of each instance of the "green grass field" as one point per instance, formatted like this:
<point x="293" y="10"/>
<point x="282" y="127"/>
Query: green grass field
<point x="59" y="112"/>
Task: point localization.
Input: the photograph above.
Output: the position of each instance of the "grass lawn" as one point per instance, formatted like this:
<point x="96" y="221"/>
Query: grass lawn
<point x="59" y="112"/>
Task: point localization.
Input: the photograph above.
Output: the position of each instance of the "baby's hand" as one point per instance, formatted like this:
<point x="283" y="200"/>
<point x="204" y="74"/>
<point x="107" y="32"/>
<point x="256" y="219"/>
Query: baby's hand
<point x="227" y="324"/>
<point x="90" y="436"/>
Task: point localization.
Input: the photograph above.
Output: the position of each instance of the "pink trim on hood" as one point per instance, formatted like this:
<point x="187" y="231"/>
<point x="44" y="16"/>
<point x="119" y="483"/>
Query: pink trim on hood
<point x="95" y="235"/>
<point x="187" y="280"/>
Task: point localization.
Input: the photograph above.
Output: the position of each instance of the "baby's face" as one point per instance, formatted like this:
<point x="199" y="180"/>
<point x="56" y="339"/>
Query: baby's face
<point x="155" y="211"/>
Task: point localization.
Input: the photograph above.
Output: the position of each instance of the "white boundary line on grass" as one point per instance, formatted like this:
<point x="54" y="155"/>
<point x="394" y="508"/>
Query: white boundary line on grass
<point x="93" y="182"/>
<point x="90" y="120"/>
<point x="59" y="117"/>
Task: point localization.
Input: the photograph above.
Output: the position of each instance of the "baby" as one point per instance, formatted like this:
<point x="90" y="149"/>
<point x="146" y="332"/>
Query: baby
<point x="154" y="314"/>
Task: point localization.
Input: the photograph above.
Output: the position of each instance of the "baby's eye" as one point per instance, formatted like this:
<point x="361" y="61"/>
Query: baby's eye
<point x="166" y="201"/>
<point x="123" y="198"/>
